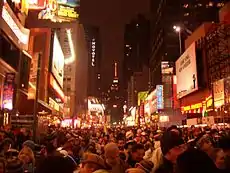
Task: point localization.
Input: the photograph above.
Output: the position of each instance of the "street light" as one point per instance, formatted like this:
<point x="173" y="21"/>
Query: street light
<point x="178" y="29"/>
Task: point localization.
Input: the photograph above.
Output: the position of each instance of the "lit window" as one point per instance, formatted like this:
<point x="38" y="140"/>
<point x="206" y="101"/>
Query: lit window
<point x="210" y="4"/>
<point x="220" y="4"/>
<point x="137" y="25"/>
<point x="127" y="54"/>
<point x="126" y="45"/>
<point x="200" y="5"/>
<point x="130" y="48"/>
<point x="186" y="14"/>
<point x="185" y="5"/>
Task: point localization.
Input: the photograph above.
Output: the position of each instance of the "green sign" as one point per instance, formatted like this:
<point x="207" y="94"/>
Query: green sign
<point x="142" y="96"/>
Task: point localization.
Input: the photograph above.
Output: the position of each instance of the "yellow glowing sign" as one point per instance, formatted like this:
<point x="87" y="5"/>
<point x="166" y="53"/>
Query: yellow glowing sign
<point x="192" y="107"/>
<point x="56" y="87"/>
<point x="67" y="12"/>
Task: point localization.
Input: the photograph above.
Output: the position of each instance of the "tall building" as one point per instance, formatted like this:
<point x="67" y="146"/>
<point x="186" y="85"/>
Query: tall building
<point x="164" y="40"/>
<point x="94" y="63"/>
<point x="136" y="46"/>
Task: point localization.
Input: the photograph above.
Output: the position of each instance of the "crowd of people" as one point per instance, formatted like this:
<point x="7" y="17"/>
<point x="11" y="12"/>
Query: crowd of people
<point x="116" y="150"/>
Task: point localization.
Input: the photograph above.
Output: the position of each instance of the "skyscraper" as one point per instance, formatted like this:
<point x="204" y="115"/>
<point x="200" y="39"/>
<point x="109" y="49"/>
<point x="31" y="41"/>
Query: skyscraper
<point x="94" y="63"/>
<point x="188" y="14"/>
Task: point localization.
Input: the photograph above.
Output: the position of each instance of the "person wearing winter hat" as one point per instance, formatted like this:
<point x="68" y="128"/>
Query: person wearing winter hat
<point x="172" y="145"/>
<point x="146" y="165"/>
<point x="195" y="161"/>
<point x="91" y="162"/>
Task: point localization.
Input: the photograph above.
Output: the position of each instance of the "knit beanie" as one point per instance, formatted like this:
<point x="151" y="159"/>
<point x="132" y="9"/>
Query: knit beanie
<point x="169" y="140"/>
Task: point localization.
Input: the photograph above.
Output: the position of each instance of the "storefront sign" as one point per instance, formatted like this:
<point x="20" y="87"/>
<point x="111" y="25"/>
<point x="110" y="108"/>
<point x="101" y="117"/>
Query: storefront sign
<point x="192" y="107"/>
<point x="15" y="26"/>
<point x="8" y="91"/>
<point x="53" y="104"/>
<point x="57" y="88"/>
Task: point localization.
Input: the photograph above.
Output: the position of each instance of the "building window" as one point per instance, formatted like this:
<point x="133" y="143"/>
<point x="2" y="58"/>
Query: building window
<point x="186" y="14"/>
<point x="185" y="5"/>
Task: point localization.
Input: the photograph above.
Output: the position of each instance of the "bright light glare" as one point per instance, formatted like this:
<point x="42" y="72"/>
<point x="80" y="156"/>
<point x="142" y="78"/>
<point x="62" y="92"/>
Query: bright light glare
<point x="70" y="59"/>
<point x="176" y="28"/>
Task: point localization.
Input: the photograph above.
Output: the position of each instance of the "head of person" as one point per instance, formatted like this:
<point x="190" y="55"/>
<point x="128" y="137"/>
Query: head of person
<point x="121" y="144"/>
<point x="91" y="162"/>
<point x="135" y="170"/>
<point x="6" y="144"/>
<point x="26" y="155"/>
<point x="14" y="165"/>
<point x="129" y="145"/>
<point x="138" y="152"/>
<point x="195" y="161"/>
<point x="145" y="165"/>
<point x="172" y="145"/>
<point x="204" y="143"/>
<point x="111" y="154"/>
<point x="55" y="164"/>
<point x="218" y="157"/>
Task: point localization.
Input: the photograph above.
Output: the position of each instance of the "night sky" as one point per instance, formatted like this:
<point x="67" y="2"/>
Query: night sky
<point x="111" y="16"/>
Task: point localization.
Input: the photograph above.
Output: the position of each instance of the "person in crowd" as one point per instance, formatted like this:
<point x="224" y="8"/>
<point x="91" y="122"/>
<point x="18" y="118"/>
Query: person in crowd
<point x="172" y="145"/>
<point x="136" y="155"/>
<point x="5" y="146"/>
<point x="55" y="164"/>
<point x="14" y="165"/>
<point x="204" y="143"/>
<point x="218" y="157"/>
<point x="195" y="161"/>
<point x="112" y="159"/>
<point x="26" y="155"/>
<point x="91" y="163"/>
<point x="135" y="170"/>
<point x="145" y="165"/>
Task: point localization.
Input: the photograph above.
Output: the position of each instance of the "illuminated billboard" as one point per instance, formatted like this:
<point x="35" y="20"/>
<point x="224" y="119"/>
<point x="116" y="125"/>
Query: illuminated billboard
<point x="58" y="61"/>
<point x="57" y="10"/>
<point x="8" y="91"/>
<point x="186" y="72"/>
<point x="142" y="97"/>
<point x="12" y="27"/>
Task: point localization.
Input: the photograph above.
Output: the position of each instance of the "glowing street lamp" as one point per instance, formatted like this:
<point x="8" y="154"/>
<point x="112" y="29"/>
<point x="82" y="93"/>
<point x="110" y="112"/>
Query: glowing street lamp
<point x="178" y="29"/>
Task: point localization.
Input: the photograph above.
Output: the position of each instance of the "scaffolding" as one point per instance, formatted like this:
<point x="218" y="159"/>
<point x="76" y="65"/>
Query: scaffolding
<point x="217" y="44"/>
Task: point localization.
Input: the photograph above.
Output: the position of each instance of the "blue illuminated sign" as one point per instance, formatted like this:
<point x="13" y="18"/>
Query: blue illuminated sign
<point x="160" y="97"/>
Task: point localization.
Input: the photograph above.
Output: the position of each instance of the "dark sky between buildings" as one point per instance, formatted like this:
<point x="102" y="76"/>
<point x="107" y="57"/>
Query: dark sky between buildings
<point x="111" y="16"/>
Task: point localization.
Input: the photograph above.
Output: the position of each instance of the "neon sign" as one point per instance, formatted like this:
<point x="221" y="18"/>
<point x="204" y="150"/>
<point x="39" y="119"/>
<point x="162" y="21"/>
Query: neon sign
<point x="22" y="37"/>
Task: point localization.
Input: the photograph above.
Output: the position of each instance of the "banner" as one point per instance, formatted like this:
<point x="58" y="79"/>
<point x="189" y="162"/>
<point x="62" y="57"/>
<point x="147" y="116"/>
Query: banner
<point x="8" y="91"/>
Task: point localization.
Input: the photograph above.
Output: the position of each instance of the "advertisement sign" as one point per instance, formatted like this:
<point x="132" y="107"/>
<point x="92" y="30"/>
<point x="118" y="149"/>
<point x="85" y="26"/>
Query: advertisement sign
<point x="156" y="99"/>
<point x="58" y="61"/>
<point x="33" y="77"/>
<point x="14" y="28"/>
<point x="218" y="93"/>
<point x="142" y="97"/>
<point x="57" y="10"/>
<point x="160" y="98"/>
<point x="186" y="72"/>
<point x="8" y="91"/>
